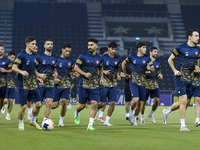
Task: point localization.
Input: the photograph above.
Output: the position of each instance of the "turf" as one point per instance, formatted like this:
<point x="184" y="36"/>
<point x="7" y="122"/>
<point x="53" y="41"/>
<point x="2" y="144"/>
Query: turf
<point x="121" y="136"/>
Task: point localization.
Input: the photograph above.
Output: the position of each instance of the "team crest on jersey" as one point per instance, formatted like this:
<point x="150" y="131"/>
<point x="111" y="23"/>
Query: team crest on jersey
<point x="107" y="62"/>
<point x="53" y="62"/>
<point x="143" y="61"/>
<point x="44" y="62"/>
<point x="69" y="64"/>
<point x="196" y="53"/>
<point x="3" y="63"/>
<point x="35" y="60"/>
<point x="157" y="66"/>
<point x="186" y="53"/>
<point x="60" y="65"/>
<point x="27" y="63"/>
<point x="97" y="62"/>
<point x="115" y="63"/>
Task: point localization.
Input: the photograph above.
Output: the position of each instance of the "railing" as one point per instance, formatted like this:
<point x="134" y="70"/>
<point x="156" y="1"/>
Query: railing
<point x="130" y="13"/>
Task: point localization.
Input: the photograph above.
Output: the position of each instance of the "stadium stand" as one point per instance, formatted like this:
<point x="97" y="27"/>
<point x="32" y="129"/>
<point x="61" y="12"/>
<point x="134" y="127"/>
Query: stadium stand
<point x="61" y="22"/>
<point x="135" y="10"/>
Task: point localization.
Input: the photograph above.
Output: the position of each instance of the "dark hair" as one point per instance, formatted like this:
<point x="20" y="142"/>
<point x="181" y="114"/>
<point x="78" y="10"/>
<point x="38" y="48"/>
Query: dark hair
<point x="47" y="40"/>
<point x="102" y="50"/>
<point x="67" y="45"/>
<point x="190" y="32"/>
<point x="93" y="40"/>
<point x="112" y="44"/>
<point x="140" y="44"/>
<point x="1" y="45"/>
<point x="152" y="48"/>
<point x="29" y="39"/>
<point x="11" y="53"/>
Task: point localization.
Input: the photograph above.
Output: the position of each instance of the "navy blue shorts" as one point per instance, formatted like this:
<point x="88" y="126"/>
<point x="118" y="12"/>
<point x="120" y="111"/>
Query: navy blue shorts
<point x="88" y="94"/>
<point x="10" y="93"/>
<point x="47" y="92"/>
<point x="152" y="93"/>
<point x="3" y="91"/>
<point x="30" y="95"/>
<point x="138" y="91"/>
<point x="195" y="90"/>
<point x="61" y="93"/>
<point x="182" y="87"/>
<point x="108" y="92"/>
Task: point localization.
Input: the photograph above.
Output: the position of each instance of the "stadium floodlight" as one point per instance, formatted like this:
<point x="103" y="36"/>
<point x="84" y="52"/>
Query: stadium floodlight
<point x="137" y="38"/>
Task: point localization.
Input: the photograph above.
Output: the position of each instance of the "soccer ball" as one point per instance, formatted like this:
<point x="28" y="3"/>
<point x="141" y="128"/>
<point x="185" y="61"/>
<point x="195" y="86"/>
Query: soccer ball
<point x="47" y="124"/>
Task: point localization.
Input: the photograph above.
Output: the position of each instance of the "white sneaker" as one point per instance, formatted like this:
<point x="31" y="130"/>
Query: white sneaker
<point x="107" y="124"/>
<point x="184" y="128"/>
<point x="134" y="123"/>
<point x="197" y="124"/>
<point x="3" y="109"/>
<point x="61" y="125"/>
<point x="165" y="116"/>
<point x="142" y="122"/>
<point x="8" y="118"/>
<point x="29" y="117"/>
<point x="152" y="118"/>
<point x="69" y="106"/>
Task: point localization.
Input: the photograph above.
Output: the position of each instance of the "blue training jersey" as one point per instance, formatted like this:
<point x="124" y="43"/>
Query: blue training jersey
<point x="196" y="80"/>
<point x="11" y="80"/>
<point x="113" y="65"/>
<point x="64" y="66"/>
<point x="46" y="64"/>
<point x="92" y="64"/>
<point x="6" y="64"/>
<point x="26" y="62"/>
<point x="152" y="78"/>
<point x="187" y="59"/>
<point x="138" y="67"/>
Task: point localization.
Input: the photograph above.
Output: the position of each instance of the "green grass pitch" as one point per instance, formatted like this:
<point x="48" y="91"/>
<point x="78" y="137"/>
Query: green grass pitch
<point x="121" y="136"/>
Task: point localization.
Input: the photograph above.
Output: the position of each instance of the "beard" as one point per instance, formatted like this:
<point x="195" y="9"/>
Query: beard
<point x="91" y="51"/>
<point x="49" y="50"/>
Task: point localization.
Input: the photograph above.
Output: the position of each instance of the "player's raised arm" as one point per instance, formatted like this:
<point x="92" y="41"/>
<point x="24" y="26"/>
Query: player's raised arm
<point x="150" y="67"/>
<point x="124" y="69"/>
<point x="17" y="70"/>
<point x="77" y="69"/>
<point x="171" y="64"/>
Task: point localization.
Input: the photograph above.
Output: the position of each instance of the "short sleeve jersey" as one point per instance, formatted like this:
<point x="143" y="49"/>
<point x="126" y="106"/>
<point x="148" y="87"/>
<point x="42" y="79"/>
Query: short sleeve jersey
<point x="26" y="62"/>
<point x="152" y="78"/>
<point x="6" y="64"/>
<point x="187" y="59"/>
<point x="138" y="67"/>
<point x="11" y="80"/>
<point x="46" y="64"/>
<point x="89" y="64"/>
<point x="113" y="65"/>
<point x="196" y="81"/>
<point x="64" y="66"/>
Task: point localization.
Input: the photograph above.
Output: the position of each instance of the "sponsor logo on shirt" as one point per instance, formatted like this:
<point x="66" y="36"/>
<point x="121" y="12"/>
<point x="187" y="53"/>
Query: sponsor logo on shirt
<point x="196" y="53"/>
<point x="143" y="61"/>
<point x="3" y="63"/>
<point x="107" y="62"/>
<point x="157" y="66"/>
<point x="69" y="64"/>
<point x="60" y="65"/>
<point x="115" y="63"/>
<point x="53" y="62"/>
<point x="97" y="62"/>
